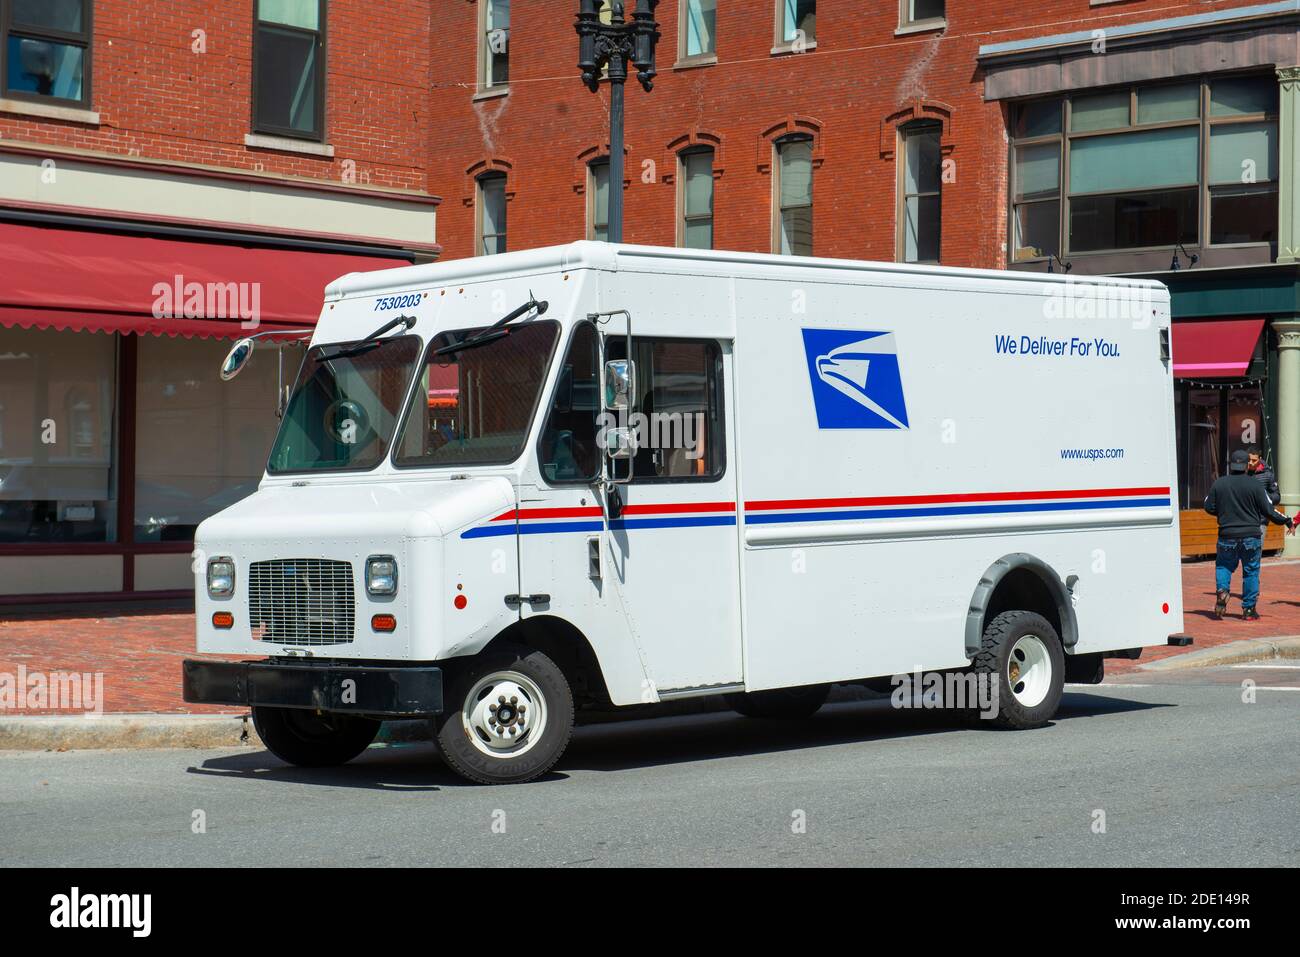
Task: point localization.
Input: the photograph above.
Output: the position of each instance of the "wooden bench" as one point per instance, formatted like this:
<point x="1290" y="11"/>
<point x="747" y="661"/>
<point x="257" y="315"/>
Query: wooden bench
<point x="1200" y="534"/>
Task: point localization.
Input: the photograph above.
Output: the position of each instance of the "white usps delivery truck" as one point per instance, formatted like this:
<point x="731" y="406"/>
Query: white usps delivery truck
<point x="512" y="487"/>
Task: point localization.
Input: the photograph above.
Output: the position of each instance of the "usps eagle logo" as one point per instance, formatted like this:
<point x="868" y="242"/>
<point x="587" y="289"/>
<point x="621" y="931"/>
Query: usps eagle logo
<point x="855" y="379"/>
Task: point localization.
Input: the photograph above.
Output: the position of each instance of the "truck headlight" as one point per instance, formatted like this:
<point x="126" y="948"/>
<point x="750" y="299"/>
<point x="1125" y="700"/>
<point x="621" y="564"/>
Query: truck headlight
<point x="381" y="575"/>
<point x="221" y="577"/>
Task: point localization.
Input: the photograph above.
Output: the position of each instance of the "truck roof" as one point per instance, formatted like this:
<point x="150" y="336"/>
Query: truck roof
<point x="612" y="257"/>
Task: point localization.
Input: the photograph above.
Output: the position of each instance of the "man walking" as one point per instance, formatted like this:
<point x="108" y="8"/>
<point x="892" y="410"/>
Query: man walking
<point x="1242" y="505"/>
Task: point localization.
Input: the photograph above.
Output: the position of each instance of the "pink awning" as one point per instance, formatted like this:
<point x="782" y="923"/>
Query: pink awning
<point x="108" y="282"/>
<point x="1214" y="348"/>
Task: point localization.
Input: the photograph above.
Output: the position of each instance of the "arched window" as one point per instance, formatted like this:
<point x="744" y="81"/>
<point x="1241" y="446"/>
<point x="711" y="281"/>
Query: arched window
<point x="598" y="199"/>
<point x="792" y="196"/>
<point x="920" y="178"/>
<point x="695" y="198"/>
<point x="490" y="215"/>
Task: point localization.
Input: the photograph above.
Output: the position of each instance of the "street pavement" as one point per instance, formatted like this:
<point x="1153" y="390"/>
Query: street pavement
<point x="1185" y="769"/>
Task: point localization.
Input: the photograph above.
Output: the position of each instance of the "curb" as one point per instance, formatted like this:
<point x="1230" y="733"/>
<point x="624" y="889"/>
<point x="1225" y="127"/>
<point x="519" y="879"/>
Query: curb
<point x="1232" y="653"/>
<point x="39" y="732"/>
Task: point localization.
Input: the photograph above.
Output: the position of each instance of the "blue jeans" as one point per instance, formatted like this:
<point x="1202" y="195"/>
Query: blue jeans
<point x="1248" y="551"/>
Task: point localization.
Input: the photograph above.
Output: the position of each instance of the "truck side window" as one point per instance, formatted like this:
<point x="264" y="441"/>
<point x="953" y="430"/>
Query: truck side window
<point x="568" y="452"/>
<point x="679" y="398"/>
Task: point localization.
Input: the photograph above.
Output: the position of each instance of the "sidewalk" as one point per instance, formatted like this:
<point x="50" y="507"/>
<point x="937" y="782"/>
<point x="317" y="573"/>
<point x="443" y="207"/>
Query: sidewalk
<point x="139" y="655"/>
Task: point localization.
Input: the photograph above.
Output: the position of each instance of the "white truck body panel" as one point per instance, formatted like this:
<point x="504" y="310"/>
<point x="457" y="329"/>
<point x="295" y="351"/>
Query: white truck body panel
<point x="891" y="432"/>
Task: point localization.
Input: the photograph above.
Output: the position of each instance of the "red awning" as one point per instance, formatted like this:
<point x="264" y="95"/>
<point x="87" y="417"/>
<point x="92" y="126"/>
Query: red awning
<point x="108" y="282"/>
<point x="1214" y="348"/>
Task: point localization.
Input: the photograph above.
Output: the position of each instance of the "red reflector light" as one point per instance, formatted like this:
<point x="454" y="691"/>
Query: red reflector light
<point x="1165" y="608"/>
<point x="383" y="623"/>
<point x="222" y="619"/>
<point x="461" y="601"/>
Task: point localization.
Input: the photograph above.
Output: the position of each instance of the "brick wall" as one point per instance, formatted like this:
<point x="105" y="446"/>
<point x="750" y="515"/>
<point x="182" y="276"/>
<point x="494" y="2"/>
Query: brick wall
<point x="158" y="99"/>
<point x="853" y="89"/>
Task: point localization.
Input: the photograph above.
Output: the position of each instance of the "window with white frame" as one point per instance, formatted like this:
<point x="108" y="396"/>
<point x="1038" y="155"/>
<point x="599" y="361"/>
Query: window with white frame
<point x="796" y="22"/>
<point x="697" y="36"/>
<point x="494" y="44"/>
<point x="922" y="14"/>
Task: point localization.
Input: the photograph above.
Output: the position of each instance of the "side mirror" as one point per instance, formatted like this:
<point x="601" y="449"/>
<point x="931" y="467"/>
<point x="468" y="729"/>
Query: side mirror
<point x="620" y="383"/>
<point x="236" y="359"/>
<point x="620" y="443"/>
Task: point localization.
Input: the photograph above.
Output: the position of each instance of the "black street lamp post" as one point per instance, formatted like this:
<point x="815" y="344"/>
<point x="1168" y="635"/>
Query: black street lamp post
<point x="613" y="45"/>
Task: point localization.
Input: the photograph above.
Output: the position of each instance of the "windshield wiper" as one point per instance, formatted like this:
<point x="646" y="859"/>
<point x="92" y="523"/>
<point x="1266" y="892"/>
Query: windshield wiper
<point x="496" y="330"/>
<point x="368" y="343"/>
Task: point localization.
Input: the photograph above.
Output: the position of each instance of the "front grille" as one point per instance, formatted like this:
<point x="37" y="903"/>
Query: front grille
<point x="301" y="601"/>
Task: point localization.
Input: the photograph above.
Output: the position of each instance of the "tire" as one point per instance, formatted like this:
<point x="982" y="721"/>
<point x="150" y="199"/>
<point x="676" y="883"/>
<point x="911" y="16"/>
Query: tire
<point x="782" y="704"/>
<point x="1023" y="651"/>
<point x="312" y="740"/>
<point x="491" y="741"/>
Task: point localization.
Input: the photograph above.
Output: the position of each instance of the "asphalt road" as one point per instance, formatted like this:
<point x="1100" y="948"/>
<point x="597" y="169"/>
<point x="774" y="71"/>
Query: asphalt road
<point x="1185" y="772"/>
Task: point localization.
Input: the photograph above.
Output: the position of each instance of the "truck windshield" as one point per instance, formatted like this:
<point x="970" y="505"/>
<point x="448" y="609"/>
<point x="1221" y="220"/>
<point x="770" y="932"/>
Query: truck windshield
<point x="475" y="406"/>
<point x="344" y="406"/>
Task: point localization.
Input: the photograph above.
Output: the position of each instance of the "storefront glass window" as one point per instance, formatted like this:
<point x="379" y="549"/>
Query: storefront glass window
<point x="1203" y="462"/>
<point x="57" y="407"/>
<point x="201" y="444"/>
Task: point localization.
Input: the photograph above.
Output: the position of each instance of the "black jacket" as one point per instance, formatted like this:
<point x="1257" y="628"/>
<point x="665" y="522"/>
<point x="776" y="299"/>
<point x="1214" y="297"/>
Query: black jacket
<point x="1241" y="505"/>
<point x="1266" y="478"/>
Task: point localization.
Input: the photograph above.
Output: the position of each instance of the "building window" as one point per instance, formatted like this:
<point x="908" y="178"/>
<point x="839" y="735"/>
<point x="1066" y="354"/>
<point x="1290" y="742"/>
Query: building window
<point x="598" y="200"/>
<point x="919" y="193"/>
<point x="697" y="35"/>
<point x="679" y="389"/>
<point x="491" y="214"/>
<point x="922" y="14"/>
<point x="1193" y="162"/>
<point x="796" y="22"/>
<point x="494" y="44"/>
<point x="695" y="191"/>
<point x="289" y="68"/>
<point x="57" y="470"/>
<point x="45" y="50"/>
<point x="200" y="444"/>
<point x="793" y="194"/>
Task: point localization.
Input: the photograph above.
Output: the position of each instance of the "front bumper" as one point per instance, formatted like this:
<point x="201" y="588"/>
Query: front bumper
<point x="359" y="689"/>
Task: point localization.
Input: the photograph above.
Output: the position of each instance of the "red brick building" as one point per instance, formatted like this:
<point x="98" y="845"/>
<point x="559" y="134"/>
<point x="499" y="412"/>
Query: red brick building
<point x="1103" y="137"/>
<point x="174" y="174"/>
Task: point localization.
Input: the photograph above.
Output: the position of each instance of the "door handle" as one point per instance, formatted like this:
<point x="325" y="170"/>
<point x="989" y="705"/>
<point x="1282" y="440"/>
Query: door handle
<point x="539" y="599"/>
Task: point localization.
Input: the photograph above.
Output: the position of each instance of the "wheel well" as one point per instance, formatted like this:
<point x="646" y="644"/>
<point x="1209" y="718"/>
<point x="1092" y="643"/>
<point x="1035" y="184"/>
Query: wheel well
<point x="1021" y="582"/>
<point x="569" y="648"/>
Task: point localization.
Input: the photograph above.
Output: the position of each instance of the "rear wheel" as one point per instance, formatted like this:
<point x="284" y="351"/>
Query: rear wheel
<point x="1022" y="653"/>
<point x="509" y="717"/>
<point x="788" y="704"/>
<point x="313" y="740"/>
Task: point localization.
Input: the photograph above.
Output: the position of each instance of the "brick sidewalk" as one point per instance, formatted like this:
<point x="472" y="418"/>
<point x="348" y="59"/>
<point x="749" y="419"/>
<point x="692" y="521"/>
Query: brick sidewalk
<point x="140" y="654"/>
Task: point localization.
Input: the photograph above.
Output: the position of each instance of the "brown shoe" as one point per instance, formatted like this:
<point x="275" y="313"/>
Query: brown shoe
<point x="1220" y="603"/>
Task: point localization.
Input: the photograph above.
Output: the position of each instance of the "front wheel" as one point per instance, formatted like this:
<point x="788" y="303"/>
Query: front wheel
<point x="1022" y="653"/>
<point x="313" y="740"/>
<point x="508" y="719"/>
